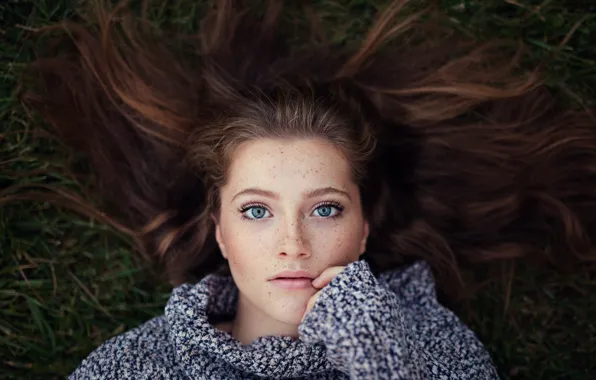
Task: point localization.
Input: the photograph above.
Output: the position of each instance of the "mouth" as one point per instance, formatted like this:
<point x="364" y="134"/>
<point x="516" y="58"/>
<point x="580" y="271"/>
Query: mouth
<point x="292" y="282"/>
<point x="299" y="274"/>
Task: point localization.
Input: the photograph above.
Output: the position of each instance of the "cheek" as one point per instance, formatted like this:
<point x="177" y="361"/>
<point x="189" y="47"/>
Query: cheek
<point x="339" y="243"/>
<point x="247" y="244"/>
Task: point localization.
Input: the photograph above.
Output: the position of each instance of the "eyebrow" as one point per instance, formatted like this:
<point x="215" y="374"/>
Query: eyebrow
<point x="307" y="194"/>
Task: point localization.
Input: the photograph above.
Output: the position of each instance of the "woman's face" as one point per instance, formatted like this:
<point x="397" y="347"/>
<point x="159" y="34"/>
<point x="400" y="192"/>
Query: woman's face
<point x="287" y="205"/>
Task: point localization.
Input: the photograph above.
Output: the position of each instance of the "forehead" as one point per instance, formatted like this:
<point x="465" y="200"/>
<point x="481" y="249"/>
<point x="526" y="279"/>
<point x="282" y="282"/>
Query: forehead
<point x="286" y="165"/>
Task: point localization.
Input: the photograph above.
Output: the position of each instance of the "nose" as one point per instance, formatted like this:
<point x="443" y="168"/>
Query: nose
<point x="295" y="242"/>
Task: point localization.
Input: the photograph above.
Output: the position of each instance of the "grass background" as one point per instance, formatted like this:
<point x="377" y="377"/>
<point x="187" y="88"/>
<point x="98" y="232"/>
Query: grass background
<point x="68" y="283"/>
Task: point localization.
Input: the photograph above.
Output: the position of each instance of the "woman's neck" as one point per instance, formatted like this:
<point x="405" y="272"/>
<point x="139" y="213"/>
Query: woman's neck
<point x="251" y="323"/>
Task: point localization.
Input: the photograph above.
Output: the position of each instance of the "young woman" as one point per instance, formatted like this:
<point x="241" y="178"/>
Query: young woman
<point x="310" y="190"/>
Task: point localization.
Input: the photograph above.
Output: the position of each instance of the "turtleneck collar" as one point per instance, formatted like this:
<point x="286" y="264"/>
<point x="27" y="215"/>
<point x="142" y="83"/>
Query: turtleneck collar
<point x="189" y="312"/>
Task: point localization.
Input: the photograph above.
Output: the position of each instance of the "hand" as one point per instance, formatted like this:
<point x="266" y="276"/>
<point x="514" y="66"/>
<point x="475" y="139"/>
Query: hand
<point x="319" y="283"/>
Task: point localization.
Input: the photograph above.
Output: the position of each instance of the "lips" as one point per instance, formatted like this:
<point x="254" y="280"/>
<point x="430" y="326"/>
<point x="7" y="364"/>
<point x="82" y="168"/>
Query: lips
<point x="293" y="283"/>
<point x="290" y="277"/>
<point x="300" y="274"/>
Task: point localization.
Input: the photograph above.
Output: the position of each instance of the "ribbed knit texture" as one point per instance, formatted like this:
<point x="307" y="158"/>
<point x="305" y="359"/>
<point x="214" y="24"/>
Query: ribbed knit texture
<point x="360" y="327"/>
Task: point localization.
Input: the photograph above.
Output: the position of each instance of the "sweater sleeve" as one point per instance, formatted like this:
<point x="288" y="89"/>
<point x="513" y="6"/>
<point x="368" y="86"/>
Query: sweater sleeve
<point x="393" y="328"/>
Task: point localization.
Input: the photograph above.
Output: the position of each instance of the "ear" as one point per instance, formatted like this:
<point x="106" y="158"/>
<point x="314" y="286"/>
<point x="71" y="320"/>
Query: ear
<point x="364" y="238"/>
<point x="218" y="236"/>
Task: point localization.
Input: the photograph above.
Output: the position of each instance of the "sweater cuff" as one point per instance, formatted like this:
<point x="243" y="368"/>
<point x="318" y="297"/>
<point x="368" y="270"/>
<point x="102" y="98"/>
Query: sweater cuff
<point x="341" y="304"/>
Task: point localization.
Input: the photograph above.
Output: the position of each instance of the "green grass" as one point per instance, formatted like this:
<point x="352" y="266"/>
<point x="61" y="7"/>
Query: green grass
<point x="68" y="283"/>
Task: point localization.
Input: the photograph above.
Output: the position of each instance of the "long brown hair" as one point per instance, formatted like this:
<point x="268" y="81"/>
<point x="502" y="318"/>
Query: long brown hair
<point x="460" y="156"/>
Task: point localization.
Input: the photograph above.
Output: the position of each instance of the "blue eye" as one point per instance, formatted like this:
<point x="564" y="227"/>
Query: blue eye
<point x="331" y="210"/>
<point x="254" y="212"/>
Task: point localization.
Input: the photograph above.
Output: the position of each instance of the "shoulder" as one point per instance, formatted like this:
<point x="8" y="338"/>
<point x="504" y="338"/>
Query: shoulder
<point x="143" y="352"/>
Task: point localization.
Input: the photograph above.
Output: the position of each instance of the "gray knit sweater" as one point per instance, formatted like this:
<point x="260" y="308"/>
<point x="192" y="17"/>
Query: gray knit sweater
<point x="361" y="327"/>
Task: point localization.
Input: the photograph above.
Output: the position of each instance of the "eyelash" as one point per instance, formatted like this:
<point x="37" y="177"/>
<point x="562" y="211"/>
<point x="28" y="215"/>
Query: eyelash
<point x="248" y="206"/>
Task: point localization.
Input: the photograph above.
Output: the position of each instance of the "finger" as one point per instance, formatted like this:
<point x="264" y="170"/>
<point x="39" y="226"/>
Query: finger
<point x="326" y="277"/>
<point x="311" y="303"/>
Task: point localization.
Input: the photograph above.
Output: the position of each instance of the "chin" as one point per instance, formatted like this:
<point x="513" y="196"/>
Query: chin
<point x="290" y="319"/>
<point x="288" y="313"/>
